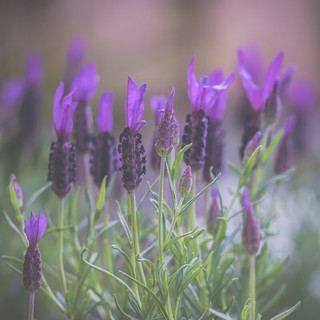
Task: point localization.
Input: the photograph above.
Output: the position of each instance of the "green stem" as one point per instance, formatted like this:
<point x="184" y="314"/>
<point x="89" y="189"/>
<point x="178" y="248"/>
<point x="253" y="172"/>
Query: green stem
<point x="160" y="225"/>
<point x="31" y="305"/>
<point x="60" y="246"/>
<point x="252" y="286"/>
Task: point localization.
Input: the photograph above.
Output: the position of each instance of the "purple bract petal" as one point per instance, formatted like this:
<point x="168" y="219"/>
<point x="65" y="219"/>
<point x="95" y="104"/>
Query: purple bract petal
<point x="169" y="105"/>
<point x="289" y="124"/>
<point x="35" y="228"/>
<point x="34" y="69"/>
<point x="247" y="205"/>
<point x="76" y="52"/>
<point x="62" y="113"/>
<point x="86" y="83"/>
<point x="134" y="105"/>
<point x="158" y="104"/>
<point x="104" y="118"/>
<point x="192" y="83"/>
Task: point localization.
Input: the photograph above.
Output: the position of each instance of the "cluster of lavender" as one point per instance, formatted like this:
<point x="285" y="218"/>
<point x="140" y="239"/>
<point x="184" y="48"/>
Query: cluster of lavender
<point x="202" y="150"/>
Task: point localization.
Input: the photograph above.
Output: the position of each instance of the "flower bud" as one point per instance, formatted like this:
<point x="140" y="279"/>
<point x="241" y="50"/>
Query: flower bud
<point x="251" y="233"/>
<point x="272" y="106"/>
<point x="252" y="145"/>
<point x="214" y="212"/>
<point x="185" y="182"/>
<point x="17" y="190"/>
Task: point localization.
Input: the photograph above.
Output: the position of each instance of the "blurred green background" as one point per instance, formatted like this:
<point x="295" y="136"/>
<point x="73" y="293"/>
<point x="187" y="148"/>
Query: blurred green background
<point x="153" y="41"/>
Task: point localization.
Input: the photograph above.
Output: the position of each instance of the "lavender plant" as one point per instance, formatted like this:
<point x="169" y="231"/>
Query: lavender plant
<point x="151" y="258"/>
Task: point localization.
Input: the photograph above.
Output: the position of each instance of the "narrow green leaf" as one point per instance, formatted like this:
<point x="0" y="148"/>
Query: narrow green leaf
<point x="220" y="314"/>
<point x="16" y="229"/>
<point x="234" y="168"/>
<point x="123" y="222"/>
<point x="177" y="162"/>
<point x="266" y="153"/>
<point x="284" y="314"/>
<point x="248" y="168"/>
<point x="123" y="313"/>
<point x="154" y="297"/>
<point x="245" y="310"/>
<point x="125" y="256"/>
<point x="172" y="241"/>
<point x="102" y="195"/>
<point x="36" y="195"/>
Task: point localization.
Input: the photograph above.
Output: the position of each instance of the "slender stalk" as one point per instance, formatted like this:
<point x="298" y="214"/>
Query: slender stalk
<point x="31" y="306"/>
<point x="252" y="286"/>
<point x="160" y="225"/>
<point x="60" y="248"/>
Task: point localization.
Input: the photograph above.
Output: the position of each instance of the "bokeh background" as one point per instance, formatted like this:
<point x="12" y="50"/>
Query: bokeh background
<point x="153" y="41"/>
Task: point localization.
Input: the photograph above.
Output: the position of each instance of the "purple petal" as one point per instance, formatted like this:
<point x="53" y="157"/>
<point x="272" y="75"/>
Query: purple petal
<point x="272" y="74"/>
<point x="169" y="106"/>
<point x="76" y="52"/>
<point x="247" y="205"/>
<point x="254" y="63"/>
<point x="216" y="76"/>
<point x="193" y="84"/>
<point x="134" y="105"/>
<point x="34" y="69"/>
<point x="104" y="118"/>
<point x="86" y="83"/>
<point x="253" y="91"/>
<point x="158" y="104"/>
<point x="35" y="228"/>
<point x="56" y="107"/>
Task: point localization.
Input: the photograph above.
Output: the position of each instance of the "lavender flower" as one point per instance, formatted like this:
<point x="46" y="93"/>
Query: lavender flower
<point x="214" y="212"/>
<point x="62" y="162"/>
<point x="256" y="95"/>
<point x="104" y="153"/>
<point x="158" y="104"/>
<point x="272" y="106"/>
<point x="283" y="160"/>
<point x="203" y="97"/>
<point x="86" y="84"/>
<point x="32" y="271"/>
<point x="166" y="129"/>
<point x="251" y="233"/>
<point x="214" y="145"/>
<point x="185" y="182"/>
<point x="130" y="147"/>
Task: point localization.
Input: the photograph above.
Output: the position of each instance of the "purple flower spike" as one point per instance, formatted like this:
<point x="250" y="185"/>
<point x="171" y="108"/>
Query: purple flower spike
<point x="76" y="53"/>
<point x="289" y="125"/>
<point x="86" y="83"/>
<point x="62" y="113"/>
<point x="134" y="106"/>
<point x="257" y="96"/>
<point x="104" y="118"/>
<point x="35" y="228"/>
<point x="251" y="233"/>
<point x="252" y="145"/>
<point x="12" y="93"/>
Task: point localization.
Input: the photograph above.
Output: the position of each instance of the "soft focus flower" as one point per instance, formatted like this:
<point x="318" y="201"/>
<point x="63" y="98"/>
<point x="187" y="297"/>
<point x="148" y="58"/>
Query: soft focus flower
<point x="62" y="113"/>
<point x="104" y="153"/>
<point x="258" y="95"/>
<point x="251" y="233"/>
<point x="130" y="147"/>
<point x="32" y="271"/>
<point x="86" y="83"/>
<point x="12" y="93"/>
<point x="166" y="129"/>
<point x="272" y="106"/>
<point x="34" y="72"/>
<point x="283" y="159"/>
<point x="214" y="212"/>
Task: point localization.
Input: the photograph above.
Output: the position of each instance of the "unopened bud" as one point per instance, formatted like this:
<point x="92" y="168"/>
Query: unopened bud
<point x="214" y="212"/>
<point x="185" y="183"/>
<point x="17" y="190"/>
<point x="272" y="106"/>
<point x="252" y="145"/>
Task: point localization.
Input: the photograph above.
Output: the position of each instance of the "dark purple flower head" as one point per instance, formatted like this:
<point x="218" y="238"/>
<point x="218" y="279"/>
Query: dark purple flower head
<point x="86" y="83"/>
<point x="34" y="72"/>
<point x="134" y="106"/>
<point x="104" y="118"/>
<point x="62" y="113"/>
<point x="35" y="228"/>
<point x="256" y="95"/>
<point x="166" y="129"/>
<point x="158" y="104"/>
<point x="203" y="94"/>
<point x="251" y="233"/>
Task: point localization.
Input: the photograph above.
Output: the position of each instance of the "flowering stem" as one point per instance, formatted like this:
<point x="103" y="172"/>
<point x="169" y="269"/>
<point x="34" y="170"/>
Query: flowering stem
<point x="60" y="246"/>
<point x="31" y="305"/>
<point x="160" y="225"/>
<point x="252" y="286"/>
<point x="135" y="248"/>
